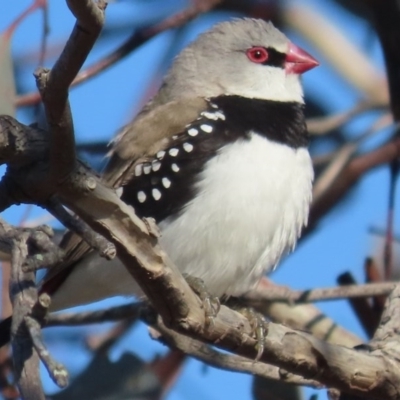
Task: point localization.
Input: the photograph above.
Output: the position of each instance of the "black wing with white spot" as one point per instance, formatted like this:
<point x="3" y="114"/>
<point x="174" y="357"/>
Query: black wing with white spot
<point x="162" y="186"/>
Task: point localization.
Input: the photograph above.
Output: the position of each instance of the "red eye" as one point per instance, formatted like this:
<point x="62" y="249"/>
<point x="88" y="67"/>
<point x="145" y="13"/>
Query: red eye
<point x="257" y="54"/>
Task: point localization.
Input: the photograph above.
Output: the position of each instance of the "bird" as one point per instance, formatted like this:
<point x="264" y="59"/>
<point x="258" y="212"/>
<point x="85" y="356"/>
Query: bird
<point x="219" y="159"/>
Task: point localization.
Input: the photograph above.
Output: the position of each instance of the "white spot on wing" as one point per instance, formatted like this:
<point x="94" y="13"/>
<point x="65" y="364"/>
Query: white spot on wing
<point x="141" y="196"/>
<point x="161" y="154"/>
<point x="156" y="194"/>
<point x="155" y="165"/>
<point x="188" y="147"/>
<point x="193" y="132"/>
<point x="173" y="152"/>
<point x="138" y="169"/>
<point x="166" y="183"/>
<point x="175" y="167"/>
<point x="206" y="128"/>
<point x="213" y="115"/>
<point x="146" y="169"/>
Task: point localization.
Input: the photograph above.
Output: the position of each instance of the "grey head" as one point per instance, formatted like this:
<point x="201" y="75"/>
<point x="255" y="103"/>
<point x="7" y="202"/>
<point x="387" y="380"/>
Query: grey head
<point x="245" y="57"/>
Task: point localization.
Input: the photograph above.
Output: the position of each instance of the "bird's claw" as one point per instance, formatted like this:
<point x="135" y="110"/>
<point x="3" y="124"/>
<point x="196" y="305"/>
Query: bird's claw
<point x="259" y="328"/>
<point x="211" y="309"/>
<point x="211" y="304"/>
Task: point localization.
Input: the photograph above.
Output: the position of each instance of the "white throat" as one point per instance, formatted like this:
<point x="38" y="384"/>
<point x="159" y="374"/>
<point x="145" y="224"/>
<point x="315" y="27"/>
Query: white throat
<point x="276" y="86"/>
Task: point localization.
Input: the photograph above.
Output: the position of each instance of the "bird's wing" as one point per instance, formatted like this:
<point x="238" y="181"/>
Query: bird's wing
<point x="138" y="142"/>
<point x="150" y="133"/>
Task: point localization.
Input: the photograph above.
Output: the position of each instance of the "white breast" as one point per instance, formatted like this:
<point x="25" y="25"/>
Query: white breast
<point x="253" y="201"/>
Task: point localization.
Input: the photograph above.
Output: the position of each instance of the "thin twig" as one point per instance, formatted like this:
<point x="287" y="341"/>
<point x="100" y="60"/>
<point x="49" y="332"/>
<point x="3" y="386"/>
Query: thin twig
<point x="23" y="294"/>
<point x="349" y="176"/>
<point x="137" y="39"/>
<point x="343" y="156"/>
<point x="281" y="293"/>
<point x="304" y="317"/>
<point x="104" y="247"/>
<point x="36" y="4"/>
<point x="57" y="371"/>
<point x="228" y="362"/>
<point x="322" y="125"/>
<point x="48" y="253"/>
<point x="43" y="45"/>
<point x="94" y="317"/>
<point x="29" y="313"/>
<point x="54" y="84"/>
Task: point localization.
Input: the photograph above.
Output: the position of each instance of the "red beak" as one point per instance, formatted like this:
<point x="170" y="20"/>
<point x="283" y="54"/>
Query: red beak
<point x="298" y="61"/>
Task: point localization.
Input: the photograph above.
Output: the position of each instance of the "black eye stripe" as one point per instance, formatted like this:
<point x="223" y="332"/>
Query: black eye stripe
<point x="275" y="58"/>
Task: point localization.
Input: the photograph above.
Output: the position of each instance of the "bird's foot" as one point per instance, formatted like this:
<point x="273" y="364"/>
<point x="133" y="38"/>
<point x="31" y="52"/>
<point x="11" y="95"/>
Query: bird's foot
<point x="259" y="328"/>
<point x="211" y="304"/>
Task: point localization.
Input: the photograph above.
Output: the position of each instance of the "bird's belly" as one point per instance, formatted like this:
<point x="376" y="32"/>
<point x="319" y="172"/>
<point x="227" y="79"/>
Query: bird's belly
<point x="253" y="199"/>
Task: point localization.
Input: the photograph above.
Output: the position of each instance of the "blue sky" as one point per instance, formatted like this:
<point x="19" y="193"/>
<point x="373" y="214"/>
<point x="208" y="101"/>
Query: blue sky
<point x="107" y="102"/>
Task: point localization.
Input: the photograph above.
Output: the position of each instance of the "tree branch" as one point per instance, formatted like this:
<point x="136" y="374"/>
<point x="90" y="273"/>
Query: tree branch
<point x="54" y="84"/>
<point x="230" y="362"/>
<point x="23" y="295"/>
<point x="282" y="293"/>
